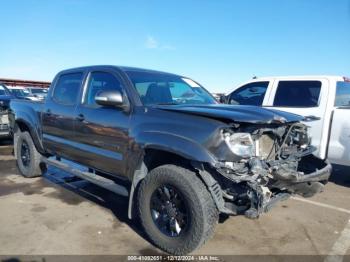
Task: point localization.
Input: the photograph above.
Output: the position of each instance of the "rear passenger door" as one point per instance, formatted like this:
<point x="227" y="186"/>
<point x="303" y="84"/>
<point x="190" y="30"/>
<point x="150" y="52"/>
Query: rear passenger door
<point x="249" y="94"/>
<point x="58" y="116"/>
<point x="304" y="97"/>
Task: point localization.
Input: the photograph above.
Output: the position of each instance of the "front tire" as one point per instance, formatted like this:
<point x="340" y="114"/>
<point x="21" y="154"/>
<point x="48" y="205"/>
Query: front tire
<point x="28" y="158"/>
<point x="176" y="210"/>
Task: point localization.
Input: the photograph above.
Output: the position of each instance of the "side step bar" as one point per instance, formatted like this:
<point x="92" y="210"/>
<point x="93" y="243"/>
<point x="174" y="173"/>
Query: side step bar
<point x="91" y="177"/>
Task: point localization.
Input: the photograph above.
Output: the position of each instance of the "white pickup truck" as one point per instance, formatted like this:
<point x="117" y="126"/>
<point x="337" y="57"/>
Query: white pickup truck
<point x="324" y="99"/>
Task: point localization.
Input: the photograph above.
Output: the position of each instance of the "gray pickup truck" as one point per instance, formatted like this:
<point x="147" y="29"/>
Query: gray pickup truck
<point x="165" y="143"/>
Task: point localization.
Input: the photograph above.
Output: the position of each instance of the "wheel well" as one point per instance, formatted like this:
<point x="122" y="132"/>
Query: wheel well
<point x="22" y="126"/>
<point x="154" y="158"/>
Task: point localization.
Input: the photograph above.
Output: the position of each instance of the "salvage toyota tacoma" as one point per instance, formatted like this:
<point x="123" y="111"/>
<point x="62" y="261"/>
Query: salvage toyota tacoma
<point x="164" y="142"/>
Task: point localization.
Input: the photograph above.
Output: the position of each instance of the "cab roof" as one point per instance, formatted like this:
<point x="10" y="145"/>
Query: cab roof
<point x="115" y="67"/>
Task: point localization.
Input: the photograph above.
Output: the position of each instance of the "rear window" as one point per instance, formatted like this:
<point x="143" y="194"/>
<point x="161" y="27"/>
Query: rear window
<point x="67" y="88"/>
<point x="342" y="97"/>
<point x="297" y="94"/>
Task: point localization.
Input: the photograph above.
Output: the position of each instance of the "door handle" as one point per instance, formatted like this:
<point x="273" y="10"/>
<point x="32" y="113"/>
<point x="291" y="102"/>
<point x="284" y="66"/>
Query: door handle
<point x="80" y="117"/>
<point x="311" y="118"/>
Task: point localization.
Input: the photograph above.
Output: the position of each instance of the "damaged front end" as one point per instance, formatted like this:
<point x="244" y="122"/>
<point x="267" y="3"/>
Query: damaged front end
<point x="260" y="165"/>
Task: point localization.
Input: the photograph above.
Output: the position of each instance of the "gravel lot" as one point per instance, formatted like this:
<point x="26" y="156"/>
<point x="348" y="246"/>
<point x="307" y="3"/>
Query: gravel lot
<point x="61" y="215"/>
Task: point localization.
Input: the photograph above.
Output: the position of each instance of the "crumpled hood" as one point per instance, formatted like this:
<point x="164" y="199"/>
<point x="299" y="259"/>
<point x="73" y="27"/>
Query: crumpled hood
<point x="236" y="113"/>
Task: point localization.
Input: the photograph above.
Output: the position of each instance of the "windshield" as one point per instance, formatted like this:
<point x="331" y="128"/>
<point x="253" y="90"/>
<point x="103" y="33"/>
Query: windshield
<point x="161" y="89"/>
<point x="20" y="92"/>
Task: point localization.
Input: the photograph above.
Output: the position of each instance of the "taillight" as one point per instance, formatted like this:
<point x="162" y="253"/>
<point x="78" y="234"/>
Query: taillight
<point x="346" y="79"/>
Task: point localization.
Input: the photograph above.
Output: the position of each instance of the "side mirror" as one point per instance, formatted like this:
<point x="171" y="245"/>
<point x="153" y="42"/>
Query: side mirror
<point x="223" y="99"/>
<point x="110" y="98"/>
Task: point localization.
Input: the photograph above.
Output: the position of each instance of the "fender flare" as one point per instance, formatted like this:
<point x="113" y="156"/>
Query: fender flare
<point x="176" y="144"/>
<point x="33" y="126"/>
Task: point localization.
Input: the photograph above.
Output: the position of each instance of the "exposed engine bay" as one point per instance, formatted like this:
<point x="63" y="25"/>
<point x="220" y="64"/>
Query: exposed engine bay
<point x="263" y="164"/>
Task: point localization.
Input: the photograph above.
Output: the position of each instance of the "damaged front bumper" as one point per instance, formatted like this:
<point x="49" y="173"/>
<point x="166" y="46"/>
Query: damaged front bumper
<point x="310" y="177"/>
<point x="266" y="186"/>
<point x="304" y="184"/>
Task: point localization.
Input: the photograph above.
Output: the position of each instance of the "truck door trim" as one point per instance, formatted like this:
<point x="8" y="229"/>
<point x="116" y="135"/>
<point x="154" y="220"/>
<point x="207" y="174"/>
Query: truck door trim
<point x="85" y="147"/>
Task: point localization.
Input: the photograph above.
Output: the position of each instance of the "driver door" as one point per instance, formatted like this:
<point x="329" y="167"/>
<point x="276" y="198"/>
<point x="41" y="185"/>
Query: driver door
<point x="102" y="131"/>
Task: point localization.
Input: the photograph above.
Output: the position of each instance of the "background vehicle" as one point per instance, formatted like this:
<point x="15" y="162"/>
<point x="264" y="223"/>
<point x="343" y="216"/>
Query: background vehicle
<point x="324" y="99"/>
<point x="22" y="93"/>
<point x="5" y="98"/>
<point x="217" y="96"/>
<point x="164" y="141"/>
<point x="38" y="92"/>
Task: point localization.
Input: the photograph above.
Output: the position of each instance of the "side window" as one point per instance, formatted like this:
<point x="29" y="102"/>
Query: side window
<point x="297" y="94"/>
<point x="249" y="94"/>
<point x="100" y="82"/>
<point x="66" y="90"/>
<point x="342" y="97"/>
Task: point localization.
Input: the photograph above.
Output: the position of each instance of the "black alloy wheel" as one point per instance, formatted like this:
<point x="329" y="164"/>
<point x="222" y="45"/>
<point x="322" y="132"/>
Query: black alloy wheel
<point x="25" y="154"/>
<point x="169" y="211"/>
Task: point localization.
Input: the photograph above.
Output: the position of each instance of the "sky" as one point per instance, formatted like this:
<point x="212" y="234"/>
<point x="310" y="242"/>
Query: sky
<point x="220" y="44"/>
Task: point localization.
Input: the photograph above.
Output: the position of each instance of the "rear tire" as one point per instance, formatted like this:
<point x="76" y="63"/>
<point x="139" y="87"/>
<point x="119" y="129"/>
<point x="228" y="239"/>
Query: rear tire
<point x="190" y="203"/>
<point x="29" y="160"/>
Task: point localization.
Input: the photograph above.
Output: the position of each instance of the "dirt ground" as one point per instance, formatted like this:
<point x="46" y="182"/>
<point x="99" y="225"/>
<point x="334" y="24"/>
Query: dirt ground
<point x="59" y="214"/>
